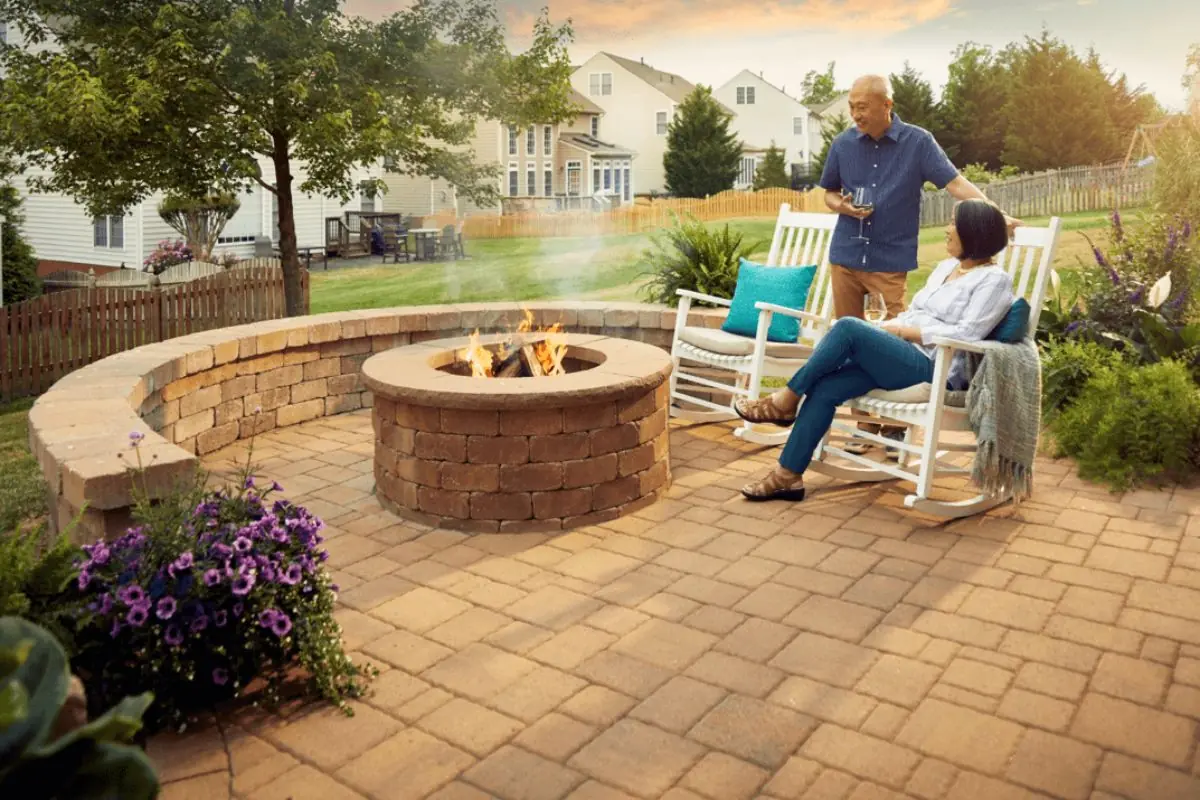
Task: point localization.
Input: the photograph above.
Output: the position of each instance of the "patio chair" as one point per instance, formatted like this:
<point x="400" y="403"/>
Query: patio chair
<point x="800" y="239"/>
<point x="932" y="408"/>
<point x="450" y="242"/>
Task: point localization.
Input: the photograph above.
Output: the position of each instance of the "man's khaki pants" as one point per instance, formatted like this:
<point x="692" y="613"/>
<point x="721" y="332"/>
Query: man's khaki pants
<point x="850" y="288"/>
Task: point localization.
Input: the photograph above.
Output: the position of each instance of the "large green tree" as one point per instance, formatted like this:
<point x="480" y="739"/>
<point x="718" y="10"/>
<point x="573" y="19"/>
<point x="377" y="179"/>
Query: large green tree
<point x="18" y="260"/>
<point x="772" y="171"/>
<point x="703" y="155"/>
<point x="819" y="87"/>
<point x="972" y="106"/>
<point x="913" y="100"/>
<point x="186" y="96"/>
<point x="830" y="128"/>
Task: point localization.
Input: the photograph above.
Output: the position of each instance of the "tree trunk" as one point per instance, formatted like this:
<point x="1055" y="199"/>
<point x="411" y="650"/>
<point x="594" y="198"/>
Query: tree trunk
<point x="293" y="290"/>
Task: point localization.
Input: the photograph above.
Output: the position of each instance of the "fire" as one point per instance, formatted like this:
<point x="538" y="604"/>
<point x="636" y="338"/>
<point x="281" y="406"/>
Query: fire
<point x="549" y="351"/>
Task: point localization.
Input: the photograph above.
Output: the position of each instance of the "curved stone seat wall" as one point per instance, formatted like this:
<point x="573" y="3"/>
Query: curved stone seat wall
<point x="196" y="394"/>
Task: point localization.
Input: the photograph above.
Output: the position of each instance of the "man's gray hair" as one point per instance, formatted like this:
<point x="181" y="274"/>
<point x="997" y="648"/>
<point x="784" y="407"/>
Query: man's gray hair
<point x="877" y="84"/>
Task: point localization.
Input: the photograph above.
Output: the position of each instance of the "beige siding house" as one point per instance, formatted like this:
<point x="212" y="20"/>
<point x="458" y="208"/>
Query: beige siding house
<point x="765" y="113"/>
<point x="543" y="167"/>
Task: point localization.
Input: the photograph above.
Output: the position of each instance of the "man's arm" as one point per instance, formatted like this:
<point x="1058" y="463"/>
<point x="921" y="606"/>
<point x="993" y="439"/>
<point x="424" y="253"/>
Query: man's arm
<point x="836" y="202"/>
<point x="939" y="170"/>
<point x="962" y="189"/>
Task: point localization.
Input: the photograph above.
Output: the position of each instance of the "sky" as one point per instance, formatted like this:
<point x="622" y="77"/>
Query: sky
<point x="710" y="41"/>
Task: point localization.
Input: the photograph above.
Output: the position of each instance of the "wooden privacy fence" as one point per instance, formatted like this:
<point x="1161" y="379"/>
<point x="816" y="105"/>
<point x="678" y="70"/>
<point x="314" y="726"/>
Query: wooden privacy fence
<point x="137" y="279"/>
<point x="47" y="337"/>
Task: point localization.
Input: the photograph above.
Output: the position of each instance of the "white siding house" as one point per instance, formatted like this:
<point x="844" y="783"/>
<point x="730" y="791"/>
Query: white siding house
<point x="638" y="101"/>
<point x="766" y="114"/>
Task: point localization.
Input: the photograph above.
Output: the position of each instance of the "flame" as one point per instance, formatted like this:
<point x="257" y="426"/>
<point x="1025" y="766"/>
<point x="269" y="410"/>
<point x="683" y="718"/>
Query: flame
<point x="478" y="356"/>
<point x="551" y="350"/>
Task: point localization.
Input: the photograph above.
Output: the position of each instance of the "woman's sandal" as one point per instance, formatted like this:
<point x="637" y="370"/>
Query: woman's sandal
<point x="775" y="487"/>
<point x="762" y="411"/>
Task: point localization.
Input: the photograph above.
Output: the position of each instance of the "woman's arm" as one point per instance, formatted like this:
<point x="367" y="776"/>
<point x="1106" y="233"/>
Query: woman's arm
<point x="989" y="301"/>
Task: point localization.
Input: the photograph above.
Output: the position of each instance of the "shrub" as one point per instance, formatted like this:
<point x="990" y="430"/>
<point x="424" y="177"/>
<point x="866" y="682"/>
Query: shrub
<point x="1132" y="424"/>
<point x="690" y="256"/>
<point x="35" y="578"/>
<point x="21" y="281"/>
<point x="203" y="597"/>
<point x="1067" y="366"/>
<point x="167" y="254"/>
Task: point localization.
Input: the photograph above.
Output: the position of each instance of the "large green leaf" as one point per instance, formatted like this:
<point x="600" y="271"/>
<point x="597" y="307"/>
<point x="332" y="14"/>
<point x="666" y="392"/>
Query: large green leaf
<point x="113" y="771"/>
<point x="44" y="676"/>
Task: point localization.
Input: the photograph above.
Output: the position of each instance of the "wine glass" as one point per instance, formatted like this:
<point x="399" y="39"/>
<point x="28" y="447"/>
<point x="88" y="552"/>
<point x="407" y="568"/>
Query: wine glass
<point x="863" y="199"/>
<point x="874" y="308"/>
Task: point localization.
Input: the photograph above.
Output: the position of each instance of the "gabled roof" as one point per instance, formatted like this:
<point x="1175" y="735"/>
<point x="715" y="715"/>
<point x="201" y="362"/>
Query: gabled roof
<point x="840" y="100"/>
<point x="594" y="146"/>
<point x="761" y="79"/>
<point x="587" y="105"/>
<point x="670" y="84"/>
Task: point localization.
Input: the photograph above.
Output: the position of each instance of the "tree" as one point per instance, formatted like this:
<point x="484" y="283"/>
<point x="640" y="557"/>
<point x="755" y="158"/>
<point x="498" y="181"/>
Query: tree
<point x="199" y="219"/>
<point x="819" y="87"/>
<point x="188" y="97"/>
<point x="830" y="128"/>
<point x="973" y="106"/>
<point x="1057" y="111"/>
<point x="703" y="155"/>
<point x="772" y="170"/>
<point x="18" y="260"/>
<point x="913" y="100"/>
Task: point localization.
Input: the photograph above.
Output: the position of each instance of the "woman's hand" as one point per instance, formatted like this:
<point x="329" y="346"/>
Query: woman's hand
<point x="908" y="333"/>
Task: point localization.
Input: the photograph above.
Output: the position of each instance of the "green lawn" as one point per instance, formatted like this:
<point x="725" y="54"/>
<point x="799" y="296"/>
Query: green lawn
<point x="598" y="268"/>
<point x="22" y="494"/>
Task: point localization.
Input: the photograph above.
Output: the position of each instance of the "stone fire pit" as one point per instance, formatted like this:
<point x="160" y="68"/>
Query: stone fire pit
<point x="520" y="454"/>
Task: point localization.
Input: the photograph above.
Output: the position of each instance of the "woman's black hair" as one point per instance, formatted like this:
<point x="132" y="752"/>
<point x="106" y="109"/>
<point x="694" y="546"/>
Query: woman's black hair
<point x="981" y="229"/>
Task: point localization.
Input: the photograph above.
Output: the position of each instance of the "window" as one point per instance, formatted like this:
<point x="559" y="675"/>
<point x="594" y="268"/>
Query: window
<point x="547" y="140"/>
<point x="797" y="126"/>
<point x="745" y="95"/>
<point x="607" y="176"/>
<point x="530" y="142"/>
<point x="512" y="180"/>
<point x="512" y="140"/>
<point x="600" y="83"/>
<point x="595" y="127"/>
<point x="628" y="182"/>
<point x="596" y="179"/>
<point x="574" y="172"/>
<point x="660" y="123"/>
<point x="617" y="180"/>
<point x="531" y="180"/>
<point x="547" y="179"/>
<point x="389" y="162"/>
<point x="109" y="232"/>
<point x="367" y="204"/>
<point x="746" y="175"/>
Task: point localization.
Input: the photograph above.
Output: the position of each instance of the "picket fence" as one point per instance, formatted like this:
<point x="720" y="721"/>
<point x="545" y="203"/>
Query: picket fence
<point x="137" y="279"/>
<point x="45" y="338"/>
<point x="1057" y="192"/>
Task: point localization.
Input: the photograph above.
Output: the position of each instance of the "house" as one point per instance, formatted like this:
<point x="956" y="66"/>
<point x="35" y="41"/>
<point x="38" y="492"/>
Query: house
<point x="65" y="236"/>
<point x="766" y="113"/>
<point x="545" y="167"/>
<point x="638" y="101"/>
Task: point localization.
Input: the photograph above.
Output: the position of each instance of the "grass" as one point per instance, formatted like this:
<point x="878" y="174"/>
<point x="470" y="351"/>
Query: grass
<point x="591" y="268"/>
<point x="22" y="494"/>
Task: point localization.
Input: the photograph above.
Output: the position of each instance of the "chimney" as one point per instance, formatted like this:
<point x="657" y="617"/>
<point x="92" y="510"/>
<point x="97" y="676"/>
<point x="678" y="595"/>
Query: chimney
<point x="643" y="60"/>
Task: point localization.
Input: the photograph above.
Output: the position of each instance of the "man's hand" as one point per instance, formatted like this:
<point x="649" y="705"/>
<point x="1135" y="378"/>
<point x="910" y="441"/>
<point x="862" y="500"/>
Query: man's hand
<point x="1012" y="223"/>
<point x="849" y="209"/>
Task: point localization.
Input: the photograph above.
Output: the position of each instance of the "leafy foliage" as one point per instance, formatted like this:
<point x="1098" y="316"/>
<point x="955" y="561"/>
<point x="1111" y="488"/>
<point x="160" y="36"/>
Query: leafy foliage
<point x="192" y="98"/>
<point x="1067" y="366"/>
<point x="211" y="589"/>
<point x="830" y="128"/>
<point x="199" y="220"/>
<point x="703" y="155"/>
<point x="913" y="99"/>
<point x="1130" y="424"/>
<point x="772" y="170"/>
<point x="21" y="280"/>
<point x="980" y="175"/>
<point x="35" y="579"/>
<point x="1177" y="178"/>
<point x="37" y="758"/>
<point x="819" y="87"/>
<point x="691" y="256"/>
<point x="166" y="255"/>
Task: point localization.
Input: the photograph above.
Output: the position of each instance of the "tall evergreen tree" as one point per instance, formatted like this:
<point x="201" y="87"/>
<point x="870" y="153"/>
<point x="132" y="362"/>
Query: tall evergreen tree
<point x="772" y="170"/>
<point x="973" y="106"/>
<point x="703" y="155"/>
<point x="819" y="87"/>
<point x="913" y="100"/>
<point x="830" y="128"/>
<point x="18" y="260"/>
<point x="1058" y="110"/>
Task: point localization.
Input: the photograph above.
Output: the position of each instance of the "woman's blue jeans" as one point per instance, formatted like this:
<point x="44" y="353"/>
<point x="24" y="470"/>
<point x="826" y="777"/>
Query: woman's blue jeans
<point x="851" y="360"/>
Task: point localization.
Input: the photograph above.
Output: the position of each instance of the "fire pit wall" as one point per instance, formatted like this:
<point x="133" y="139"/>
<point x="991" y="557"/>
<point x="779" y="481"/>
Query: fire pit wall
<point x="196" y="394"/>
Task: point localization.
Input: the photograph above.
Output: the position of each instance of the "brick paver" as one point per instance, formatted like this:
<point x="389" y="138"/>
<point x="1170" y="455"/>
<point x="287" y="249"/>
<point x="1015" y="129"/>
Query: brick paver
<point x="706" y="647"/>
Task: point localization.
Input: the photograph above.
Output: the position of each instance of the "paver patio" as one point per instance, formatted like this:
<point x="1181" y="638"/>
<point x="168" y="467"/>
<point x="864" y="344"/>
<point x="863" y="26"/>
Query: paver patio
<point x="710" y="647"/>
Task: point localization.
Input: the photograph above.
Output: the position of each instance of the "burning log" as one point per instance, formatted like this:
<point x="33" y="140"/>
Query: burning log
<point x="532" y="364"/>
<point x="510" y="367"/>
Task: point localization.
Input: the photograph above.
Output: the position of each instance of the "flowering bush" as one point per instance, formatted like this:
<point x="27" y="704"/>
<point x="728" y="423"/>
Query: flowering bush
<point x="207" y="593"/>
<point x="167" y="254"/>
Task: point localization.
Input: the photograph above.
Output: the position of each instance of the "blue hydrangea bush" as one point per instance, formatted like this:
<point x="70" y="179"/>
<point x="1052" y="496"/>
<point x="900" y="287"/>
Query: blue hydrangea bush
<point x="212" y="590"/>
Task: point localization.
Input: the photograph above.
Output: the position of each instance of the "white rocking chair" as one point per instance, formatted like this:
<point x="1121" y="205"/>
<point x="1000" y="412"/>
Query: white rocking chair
<point x="800" y="239"/>
<point x="932" y="407"/>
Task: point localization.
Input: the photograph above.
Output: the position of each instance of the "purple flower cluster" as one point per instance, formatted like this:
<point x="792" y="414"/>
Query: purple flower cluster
<point x="167" y="254"/>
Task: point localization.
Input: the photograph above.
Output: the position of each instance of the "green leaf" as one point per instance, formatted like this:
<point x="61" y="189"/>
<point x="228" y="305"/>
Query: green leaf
<point x="43" y="676"/>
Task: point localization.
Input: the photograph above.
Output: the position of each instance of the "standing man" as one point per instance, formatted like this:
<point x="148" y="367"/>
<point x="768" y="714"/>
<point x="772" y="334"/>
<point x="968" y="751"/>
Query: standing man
<point x="891" y="160"/>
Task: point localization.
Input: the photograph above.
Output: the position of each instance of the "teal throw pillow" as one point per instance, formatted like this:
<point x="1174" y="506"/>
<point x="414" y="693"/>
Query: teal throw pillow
<point x="784" y="286"/>
<point x="1015" y="325"/>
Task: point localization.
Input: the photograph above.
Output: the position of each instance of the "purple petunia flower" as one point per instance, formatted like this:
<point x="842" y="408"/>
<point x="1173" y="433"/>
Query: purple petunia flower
<point x="269" y="574"/>
<point x="220" y="676"/>
<point x="292" y="575"/>
<point x="249" y="482"/>
<point x="85" y="578"/>
<point x="221" y="618"/>
<point x="173" y="636"/>
<point x="242" y="545"/>
<point x="237" y="609"/>
<point x="212" y="577"/>
<point x="267" y="618"/>
<point x="132" y="595"/>
<point x="242" y="585"/>
<point x="199" y="623"/>
<point x="105" y="605"/>
<point x="116" y="628"/>
<point x="281" y="625"/>
<point x="184" y="561"/>
<point x="166" y="608"/>
<point x="135" y="438"/>
<point x="275" y="487"/>
<point x="138" y="615"/>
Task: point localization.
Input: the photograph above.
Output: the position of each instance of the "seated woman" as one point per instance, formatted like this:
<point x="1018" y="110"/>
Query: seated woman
<point x="965" y="297"/>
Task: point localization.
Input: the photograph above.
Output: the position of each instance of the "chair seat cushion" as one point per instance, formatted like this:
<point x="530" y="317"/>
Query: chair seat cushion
<point x="920" y="393"/>
<point x="715" y="340"/>
<point x="785" y="286"/>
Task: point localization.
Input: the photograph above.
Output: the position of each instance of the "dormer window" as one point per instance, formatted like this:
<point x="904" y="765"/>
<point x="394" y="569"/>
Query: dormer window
<point x="745" y="95"/>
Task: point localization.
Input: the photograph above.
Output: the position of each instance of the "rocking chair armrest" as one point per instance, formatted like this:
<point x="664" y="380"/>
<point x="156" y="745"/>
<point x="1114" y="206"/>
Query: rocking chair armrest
<point x="970" y="347"/>
<point x="791" y="312"/>
<point x="707" y="298"/>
